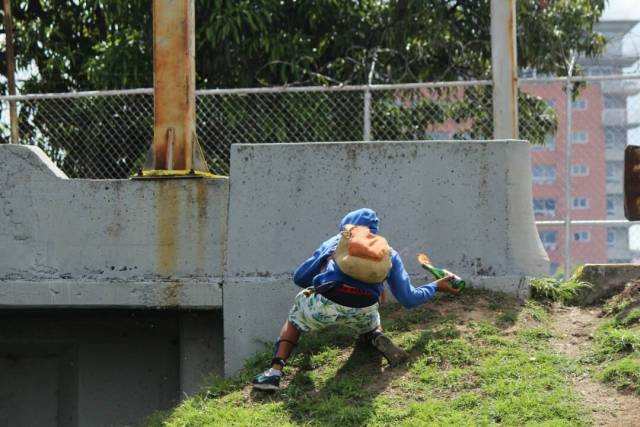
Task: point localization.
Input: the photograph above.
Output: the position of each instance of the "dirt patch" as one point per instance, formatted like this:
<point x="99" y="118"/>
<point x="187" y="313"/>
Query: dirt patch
<point x="573" y="329"/>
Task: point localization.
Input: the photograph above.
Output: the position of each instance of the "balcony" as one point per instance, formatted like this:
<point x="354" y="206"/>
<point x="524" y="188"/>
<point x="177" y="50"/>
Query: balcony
<point x="620" y="117"/>
<point x="633" y="118"/>
<point x="614" y="154"/>
<point x="612" y="187"/>
<point x="614" y="117"/>
<point x="620" y="87"/>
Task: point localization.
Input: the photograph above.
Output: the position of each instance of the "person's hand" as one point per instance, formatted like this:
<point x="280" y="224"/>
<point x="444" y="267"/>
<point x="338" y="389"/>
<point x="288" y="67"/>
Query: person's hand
<point x="444" y="285"/>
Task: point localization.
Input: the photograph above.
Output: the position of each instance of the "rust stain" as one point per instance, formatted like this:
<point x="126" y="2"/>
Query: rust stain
<point x="167" y="217"/>
<point x="201" y="203"/>
<point x="172" y="294"/>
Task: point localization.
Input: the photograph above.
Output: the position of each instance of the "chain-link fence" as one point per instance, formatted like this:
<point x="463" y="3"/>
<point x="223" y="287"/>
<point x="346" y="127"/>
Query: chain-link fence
<point x="106" y="135"/>
<point x="577" y="188"/>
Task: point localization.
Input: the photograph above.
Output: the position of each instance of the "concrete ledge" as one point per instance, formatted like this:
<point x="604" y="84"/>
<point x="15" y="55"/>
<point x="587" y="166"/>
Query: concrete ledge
<point x="607" y="280"/>
<point x="112" y="294"/>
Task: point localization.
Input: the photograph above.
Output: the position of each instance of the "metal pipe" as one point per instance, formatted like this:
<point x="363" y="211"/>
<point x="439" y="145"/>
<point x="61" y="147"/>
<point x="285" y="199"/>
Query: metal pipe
<point x="567" y="172"/>
<point x="293" y="89"/>
<point x="366" y="114"/>
<point x="345" y="88"/>
<point x="255" y="90"/>
<point x="504" y="69"/>
<point x="576" y="79"/>
<point x="11" y="69"/>
<point x="85" y="94"/>
<point x="588" y="222"/>
<point x="174" y="82"/>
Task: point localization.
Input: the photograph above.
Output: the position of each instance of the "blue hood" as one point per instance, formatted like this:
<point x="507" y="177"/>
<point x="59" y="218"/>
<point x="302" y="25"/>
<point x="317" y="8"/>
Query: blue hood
<point x="364" y="216"/>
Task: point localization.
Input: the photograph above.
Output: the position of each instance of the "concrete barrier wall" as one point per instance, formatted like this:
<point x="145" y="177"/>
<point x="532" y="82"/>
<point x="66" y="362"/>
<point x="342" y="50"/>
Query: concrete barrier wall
<point x="466" y="203"/>
<point x="107" y="242"/>
<point x="122" y="243"/>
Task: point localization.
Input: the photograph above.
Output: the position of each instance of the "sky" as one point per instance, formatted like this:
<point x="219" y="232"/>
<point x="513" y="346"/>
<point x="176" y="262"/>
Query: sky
<point x="622" y="9"/>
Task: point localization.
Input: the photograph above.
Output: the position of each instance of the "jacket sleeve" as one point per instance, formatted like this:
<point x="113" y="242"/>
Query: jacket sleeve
<point x="304" y="274"/>
<point x="401" y="287"/>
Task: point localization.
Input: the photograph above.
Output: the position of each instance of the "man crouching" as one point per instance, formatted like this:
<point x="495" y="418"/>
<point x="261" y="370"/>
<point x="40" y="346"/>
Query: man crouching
<point x="343" y="281"/>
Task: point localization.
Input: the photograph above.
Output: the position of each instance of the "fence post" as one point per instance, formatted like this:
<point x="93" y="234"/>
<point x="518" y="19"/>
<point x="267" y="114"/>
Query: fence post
<point x="567" y="176"/>
<point x="504" y="69"/>
<point x="367" y="115"/>
<point x="11" y="82"/>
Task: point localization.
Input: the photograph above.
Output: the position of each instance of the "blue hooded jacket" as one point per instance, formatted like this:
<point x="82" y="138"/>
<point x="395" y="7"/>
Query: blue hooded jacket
<point x="311" y="274"/>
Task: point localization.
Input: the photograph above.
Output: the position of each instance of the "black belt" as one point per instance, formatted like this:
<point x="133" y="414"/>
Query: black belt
<point x="350" y="296"/>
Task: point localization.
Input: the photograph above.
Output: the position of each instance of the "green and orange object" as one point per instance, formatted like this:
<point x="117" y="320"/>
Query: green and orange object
<point x="438" y="273"/>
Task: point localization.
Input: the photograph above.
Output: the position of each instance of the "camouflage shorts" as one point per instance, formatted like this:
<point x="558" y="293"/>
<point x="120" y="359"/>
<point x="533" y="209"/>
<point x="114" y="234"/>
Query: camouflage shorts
<point x="315" y="311"/>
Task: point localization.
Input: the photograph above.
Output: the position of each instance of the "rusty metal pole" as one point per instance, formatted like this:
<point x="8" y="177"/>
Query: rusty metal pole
<point x="174" y="84"/>
<point x="11" y="69"/>
<point x="504" y="65"/>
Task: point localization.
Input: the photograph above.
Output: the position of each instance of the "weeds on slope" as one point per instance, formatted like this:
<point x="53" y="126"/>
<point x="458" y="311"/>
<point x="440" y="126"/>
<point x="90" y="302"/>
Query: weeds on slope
<point x="556" y="290"/>
<point x="617" y="341"/>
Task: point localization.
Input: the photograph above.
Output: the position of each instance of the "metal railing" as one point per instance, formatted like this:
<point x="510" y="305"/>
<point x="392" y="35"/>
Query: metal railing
<point x="577" y="187"/>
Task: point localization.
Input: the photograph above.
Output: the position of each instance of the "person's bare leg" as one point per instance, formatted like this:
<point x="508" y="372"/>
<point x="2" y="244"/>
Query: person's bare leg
<point x="289" y="336"/>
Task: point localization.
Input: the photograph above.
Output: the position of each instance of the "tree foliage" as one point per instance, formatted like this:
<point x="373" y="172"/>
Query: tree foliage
<point x="66" y="45"/>
<point x="99" y="44"/>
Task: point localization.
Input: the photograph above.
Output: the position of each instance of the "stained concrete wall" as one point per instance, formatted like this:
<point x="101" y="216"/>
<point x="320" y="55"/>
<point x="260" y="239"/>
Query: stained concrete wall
<point x="150" y="253"/>
<point x="466" y="203"/>
<point x="115" y="243"/>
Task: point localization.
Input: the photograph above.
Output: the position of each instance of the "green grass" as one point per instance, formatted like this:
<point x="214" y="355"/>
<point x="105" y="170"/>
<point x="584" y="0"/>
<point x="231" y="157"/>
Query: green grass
<point x="616" y="352"/>
<point x="491" y="367"/>
<point x="623" y="373"/>
<point x="556" y="290"/>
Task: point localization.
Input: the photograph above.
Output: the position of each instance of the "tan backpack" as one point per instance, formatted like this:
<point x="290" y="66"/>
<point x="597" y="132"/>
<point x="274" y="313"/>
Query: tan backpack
<point x="363" y="255"/>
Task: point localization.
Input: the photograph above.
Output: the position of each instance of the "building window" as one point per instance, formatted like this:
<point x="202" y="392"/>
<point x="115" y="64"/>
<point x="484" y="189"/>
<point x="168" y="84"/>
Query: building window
<point x="615" y="102"/>
<point x="549" y="239"/>
<point x="580" y="203"/>
<point x="614" y="137"/>
<point x="580" y="137"/>
<point x="611" y="205"/>
<point x="582" y="236"/>
<point x="612" y="174"/>
<point x="579" y="104"/>
<point x="551" y="103"/>
<point x="598" y="71"/>
<point x="544" y="174"/>
<point x="549" y="144"/>
<point x="544" y="207"/>
<point x="611" y="238"/>
<point x="580" y="169"/>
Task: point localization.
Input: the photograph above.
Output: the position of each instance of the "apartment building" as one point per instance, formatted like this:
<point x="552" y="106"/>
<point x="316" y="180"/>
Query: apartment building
<point x="617" y="120"/>
<point x="587" y="173"/>
<point x="600" y="127"/>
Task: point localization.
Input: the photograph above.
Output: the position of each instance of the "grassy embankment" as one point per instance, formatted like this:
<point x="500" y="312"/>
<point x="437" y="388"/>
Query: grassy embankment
<point x="479" y="359"/>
